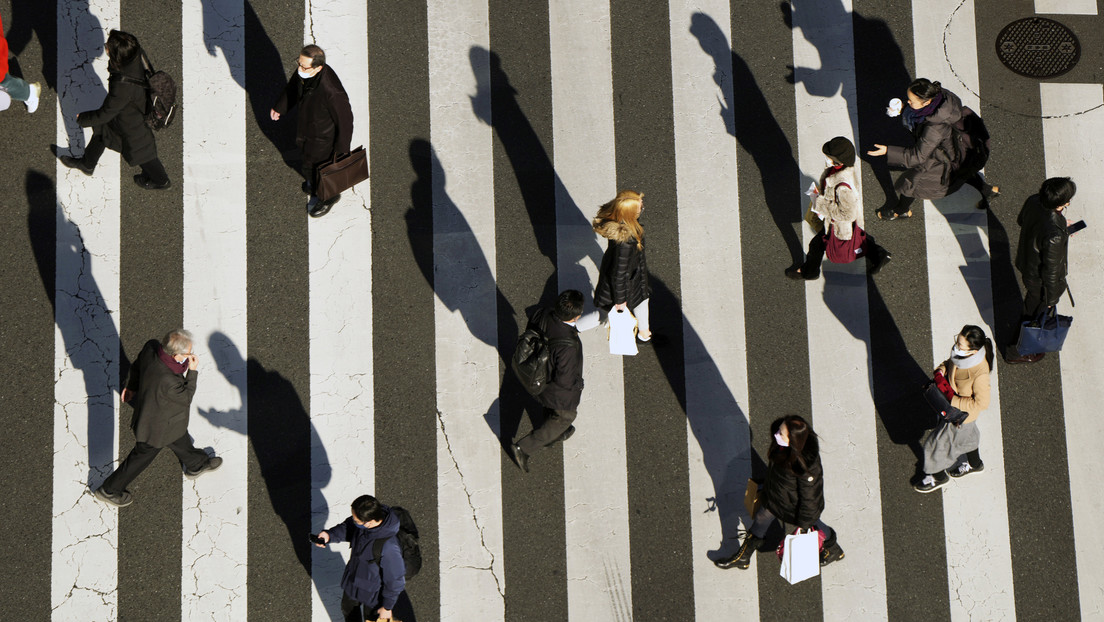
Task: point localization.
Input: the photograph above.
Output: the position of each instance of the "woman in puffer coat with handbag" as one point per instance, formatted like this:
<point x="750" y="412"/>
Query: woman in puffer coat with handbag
<point x="950" y="149"/>
<point x="793" y="492"/>
<point x="623" y="277"/>
<point x="952" y="450"/>
<point x="836" y="217"/>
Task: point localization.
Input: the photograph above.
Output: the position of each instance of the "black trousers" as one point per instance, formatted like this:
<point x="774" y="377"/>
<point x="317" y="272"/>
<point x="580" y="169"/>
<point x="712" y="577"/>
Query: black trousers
<point x="350" y="609"/>
<point x="153" y="170"/>
<point x="142" y="456"/>
<point x="556" y="422"/>
<point x="1034" y="298"/>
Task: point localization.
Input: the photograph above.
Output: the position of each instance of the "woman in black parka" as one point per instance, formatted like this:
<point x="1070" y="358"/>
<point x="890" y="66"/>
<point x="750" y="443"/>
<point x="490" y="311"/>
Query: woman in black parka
<point x="120" y="123"/>
<point x="793" y="492"/>
<point x="623" y="277"/>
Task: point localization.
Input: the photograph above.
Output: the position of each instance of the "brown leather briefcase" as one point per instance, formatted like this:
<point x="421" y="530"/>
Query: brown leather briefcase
<point x="338" y="175"/>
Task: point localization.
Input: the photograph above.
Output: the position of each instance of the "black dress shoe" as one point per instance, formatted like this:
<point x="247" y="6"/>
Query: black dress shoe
<point x="144" y="182"/>
<point x="119" y="499"/>
<point x="77" y="163"/>
<point x="520" y="457"/>
<point x="322" y="208"/>
<point x="567" y="434"/>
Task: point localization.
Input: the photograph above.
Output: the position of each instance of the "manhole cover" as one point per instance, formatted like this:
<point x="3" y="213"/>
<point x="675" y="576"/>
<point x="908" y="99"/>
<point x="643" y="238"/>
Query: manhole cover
<point x="1037" y="47"/>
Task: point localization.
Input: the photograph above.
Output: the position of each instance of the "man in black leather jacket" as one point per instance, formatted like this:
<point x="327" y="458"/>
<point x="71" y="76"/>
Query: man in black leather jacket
<point x="1042" y="255"/>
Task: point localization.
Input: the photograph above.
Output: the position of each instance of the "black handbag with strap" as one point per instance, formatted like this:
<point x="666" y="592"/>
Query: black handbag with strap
<point x="942" y="405"/>
<point x="340" y="174"/>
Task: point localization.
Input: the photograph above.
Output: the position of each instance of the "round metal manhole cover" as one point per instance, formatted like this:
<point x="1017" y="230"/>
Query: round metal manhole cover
<point x="1037" y="47"/>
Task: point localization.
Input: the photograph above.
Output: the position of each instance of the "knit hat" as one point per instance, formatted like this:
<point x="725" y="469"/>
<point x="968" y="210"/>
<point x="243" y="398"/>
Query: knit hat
<point x="841" y="150"/>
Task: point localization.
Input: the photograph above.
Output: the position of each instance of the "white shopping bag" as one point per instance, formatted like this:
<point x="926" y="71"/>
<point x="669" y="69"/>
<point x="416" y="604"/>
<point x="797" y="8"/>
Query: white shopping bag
<point x="801" y="556"/>
<point x="622" y="332"/>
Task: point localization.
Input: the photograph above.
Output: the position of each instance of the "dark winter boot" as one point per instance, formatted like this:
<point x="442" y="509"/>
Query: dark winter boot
<point x="832" y="551"/>
<point x="742" y="558"/>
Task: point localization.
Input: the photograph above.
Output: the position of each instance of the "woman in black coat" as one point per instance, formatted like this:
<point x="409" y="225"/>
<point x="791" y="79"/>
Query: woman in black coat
<point x="623" y="277"/>
<point x="120" y="123"/>
<point x="793" y="492"/>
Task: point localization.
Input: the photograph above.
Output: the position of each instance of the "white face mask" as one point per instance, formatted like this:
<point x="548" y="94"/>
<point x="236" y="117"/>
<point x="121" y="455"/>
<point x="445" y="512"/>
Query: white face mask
<point x="304" y="76"/>
<point x="828" y="163"/>
<point x="959" y="353"/>
<point x="781" y="441"/>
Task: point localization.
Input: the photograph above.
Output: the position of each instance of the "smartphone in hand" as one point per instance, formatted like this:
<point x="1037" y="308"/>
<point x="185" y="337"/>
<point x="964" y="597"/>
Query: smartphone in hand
<point x="316" y="540"/>
<point x="1075" y="227"/>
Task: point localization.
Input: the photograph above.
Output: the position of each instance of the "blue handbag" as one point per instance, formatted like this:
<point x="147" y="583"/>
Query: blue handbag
<point x="1045" y="333"/>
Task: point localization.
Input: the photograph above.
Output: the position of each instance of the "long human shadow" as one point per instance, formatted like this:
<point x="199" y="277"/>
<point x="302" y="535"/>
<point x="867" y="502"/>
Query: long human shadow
<point x="880" y="75"/>
<point x="756" y="130"/>
<point x="87" y="328"/>
<point x="260" y="74"/>
<point x="896" y="377"/>
<point x="495" y="103"/>
<point x="716" y="419"/>
<point x="29" y="18"/>
<point x="280" y="453"/>
<point x="960" y="213"/>
<point x="446" y="228"/>
<point x="80" y="88"/>
<point x="1007" y="300"/>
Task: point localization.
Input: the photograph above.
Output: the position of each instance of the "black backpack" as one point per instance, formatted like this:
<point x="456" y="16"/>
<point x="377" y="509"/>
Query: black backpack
<point x="532" y="359"/>
<point x="408" y="543"/>
<point x="160" y="95"/>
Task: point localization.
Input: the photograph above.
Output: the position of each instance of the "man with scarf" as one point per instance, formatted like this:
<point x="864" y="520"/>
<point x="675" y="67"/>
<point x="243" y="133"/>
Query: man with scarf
<point x="160" y="387"/>
<point x="325" y="125"/>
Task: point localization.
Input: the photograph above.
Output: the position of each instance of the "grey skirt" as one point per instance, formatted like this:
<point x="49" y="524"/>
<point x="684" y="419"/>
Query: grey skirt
<point x="946" y="444"/>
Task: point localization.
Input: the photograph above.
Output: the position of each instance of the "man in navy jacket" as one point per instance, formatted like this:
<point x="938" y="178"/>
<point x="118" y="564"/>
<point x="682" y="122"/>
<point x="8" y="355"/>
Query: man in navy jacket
<point x="361" y="583"/>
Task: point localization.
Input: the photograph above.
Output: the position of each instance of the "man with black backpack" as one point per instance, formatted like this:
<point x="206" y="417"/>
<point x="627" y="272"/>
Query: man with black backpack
<point x="561" y="394"/>
<point x="376" y="573"/>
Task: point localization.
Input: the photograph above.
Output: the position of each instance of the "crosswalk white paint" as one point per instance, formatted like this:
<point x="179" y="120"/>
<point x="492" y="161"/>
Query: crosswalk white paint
<point x="214" y="551"/>
<point x="1069" y="7"/>
<point x="715" y="350"/>
<point x="342" y="393"/>
<point x="1069" y="154"/>
<point x="595" y="489"/>
<point x="465" y="314"/>
<point x="84" y="535"/>
<point x="839" y="325"/>
<point x="979" y="562"/>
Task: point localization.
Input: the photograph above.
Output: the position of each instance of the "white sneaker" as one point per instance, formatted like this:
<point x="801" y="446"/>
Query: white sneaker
<point x="32" y="101"/>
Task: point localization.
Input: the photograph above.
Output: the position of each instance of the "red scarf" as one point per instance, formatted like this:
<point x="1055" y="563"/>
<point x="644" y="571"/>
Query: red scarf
<point x="170" y="362"/>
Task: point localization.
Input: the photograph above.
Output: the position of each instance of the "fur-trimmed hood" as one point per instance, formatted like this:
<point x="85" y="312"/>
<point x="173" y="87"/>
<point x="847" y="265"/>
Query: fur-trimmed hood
<point x="612" y="230"/>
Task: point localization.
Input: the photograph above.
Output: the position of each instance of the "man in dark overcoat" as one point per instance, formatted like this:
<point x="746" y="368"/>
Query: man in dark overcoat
<point x="120" y="123"/>
<point x="564" y="391"/>
<point x="160" y="387"/>
<point x="1042" y="257"/>
<point x="325" y="126"/>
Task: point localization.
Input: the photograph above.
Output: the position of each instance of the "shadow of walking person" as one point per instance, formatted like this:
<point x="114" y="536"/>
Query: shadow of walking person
<point x="79" y="87"/>
<point x="38" y="19"/>
<point x="87" y="328"/>
<point x="282" y="437"/>
<point x="260" y="73"/>
<point x="757" y="131"/>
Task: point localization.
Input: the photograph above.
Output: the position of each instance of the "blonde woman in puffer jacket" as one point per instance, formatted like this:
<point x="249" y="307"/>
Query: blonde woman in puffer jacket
<point x="836" y="215"/>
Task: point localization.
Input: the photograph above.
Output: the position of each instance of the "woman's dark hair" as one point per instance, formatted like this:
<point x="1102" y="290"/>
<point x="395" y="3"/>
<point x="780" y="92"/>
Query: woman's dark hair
<point x="975" y="336"/>
<point x="804" y="447"/>
<point x="925" y="88"/>
<point x="368" y="509"/>
<point x="569" y="305"/>
<point x="315" y="53"/>
<point x="122" y="48"/>
<point x="1056" y="192"/>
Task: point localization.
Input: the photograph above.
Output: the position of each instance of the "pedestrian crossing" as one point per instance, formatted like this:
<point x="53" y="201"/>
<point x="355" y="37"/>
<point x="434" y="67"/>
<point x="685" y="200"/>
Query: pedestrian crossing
<point x="366" y="351"/>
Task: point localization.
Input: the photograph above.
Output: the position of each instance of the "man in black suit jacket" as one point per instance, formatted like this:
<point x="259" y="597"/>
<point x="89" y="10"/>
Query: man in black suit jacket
<point x="561" y="396"/>
<point x="325" y="125"/>
<point x="161" y="385"/>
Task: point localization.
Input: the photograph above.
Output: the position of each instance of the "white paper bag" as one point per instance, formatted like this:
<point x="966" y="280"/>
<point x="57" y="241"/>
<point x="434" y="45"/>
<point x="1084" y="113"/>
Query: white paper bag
<point x="622" y="332"/>
<point x="801" y="556"/>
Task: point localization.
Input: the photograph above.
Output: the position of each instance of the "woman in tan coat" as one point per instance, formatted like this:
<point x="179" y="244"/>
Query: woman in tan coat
<point x="952" y="450"/>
